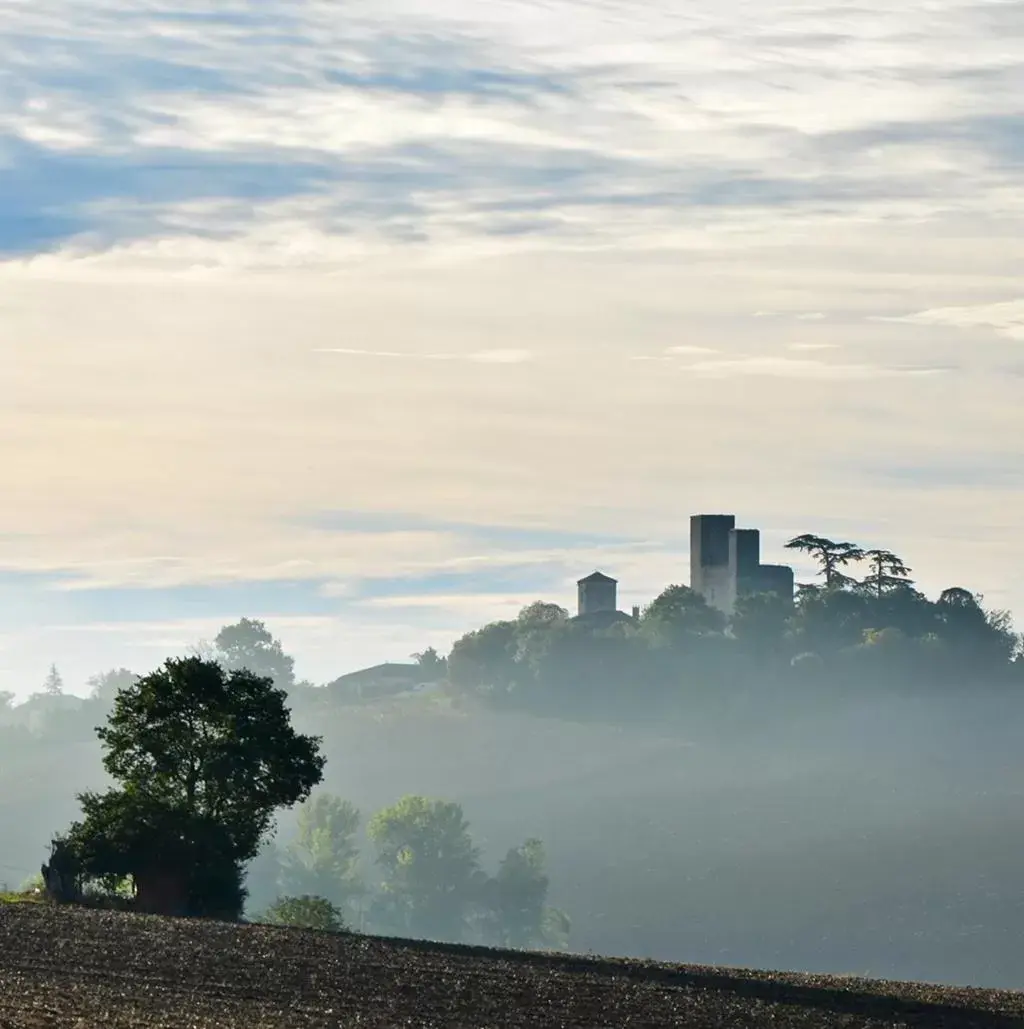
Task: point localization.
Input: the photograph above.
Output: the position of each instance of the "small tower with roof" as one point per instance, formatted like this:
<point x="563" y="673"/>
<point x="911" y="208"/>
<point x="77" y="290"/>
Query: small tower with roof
<point x="597" y="593"/>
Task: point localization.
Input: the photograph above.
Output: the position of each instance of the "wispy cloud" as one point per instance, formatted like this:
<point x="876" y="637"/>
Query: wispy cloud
<point x="479" y="356"/>
<point x="792" y="368"/>
<point x="412" y="122"/>
<point x="1003" y="319"/>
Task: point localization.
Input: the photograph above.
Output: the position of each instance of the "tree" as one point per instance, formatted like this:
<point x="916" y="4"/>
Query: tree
<point x="53" y="685"/>
<point x="248" y="644"/>
<point x="829" y="620"/>
<point x="518" y="896"/>
<point x="541" y="613"/>
<point x="760" y="622"/>
<point x="977" y="635"/>
<point x="106" y="685"/>
<point x="323" y="859"/>
<point x="431" y="664"/>
<point x="6" y="701"/>
<point x="203" y="759"/>
<point x="830" y="556"/>
<point x="484" y="661"/>
<point x="431" y="867"/>
<point x="683" y="611"/>
<point x="305" y="912"/>
<point x="888" y="573"/>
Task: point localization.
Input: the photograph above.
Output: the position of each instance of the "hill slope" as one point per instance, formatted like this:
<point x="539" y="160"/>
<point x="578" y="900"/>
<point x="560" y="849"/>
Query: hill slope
<point x="84" y="968"/>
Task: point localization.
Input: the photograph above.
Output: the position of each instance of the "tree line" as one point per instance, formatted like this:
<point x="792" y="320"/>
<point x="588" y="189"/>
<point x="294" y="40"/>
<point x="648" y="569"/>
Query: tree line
<point x="840" y="632"/>
<point x="203" y="758"/>
<point x="429" y="880"/>
<point x="845" y="631"/>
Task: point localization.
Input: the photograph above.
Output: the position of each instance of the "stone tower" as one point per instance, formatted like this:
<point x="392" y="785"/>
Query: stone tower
<point x="709" y="558"/>
<point x="725" y="563"/>
<point x="596" y="593"/>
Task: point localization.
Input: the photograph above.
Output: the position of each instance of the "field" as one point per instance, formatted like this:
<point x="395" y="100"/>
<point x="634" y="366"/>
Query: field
<point x="84" y="969"/>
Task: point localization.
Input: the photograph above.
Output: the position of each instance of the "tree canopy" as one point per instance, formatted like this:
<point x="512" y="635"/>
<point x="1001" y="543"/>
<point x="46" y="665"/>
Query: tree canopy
<point x="203" y="758"/>
<point x="248" y="644"/>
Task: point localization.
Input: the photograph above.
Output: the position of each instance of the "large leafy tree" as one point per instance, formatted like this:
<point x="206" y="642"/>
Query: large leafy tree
<point x="203" y="758"/>
<point x="323" y="858"/>
<point x="682" y="611"/>
<point x="831" y="556"/>
<point x="249" y="644"/>
<point x="432" y="877"/>
<point x="484" y="661"/>
<point x="542" y="613"/>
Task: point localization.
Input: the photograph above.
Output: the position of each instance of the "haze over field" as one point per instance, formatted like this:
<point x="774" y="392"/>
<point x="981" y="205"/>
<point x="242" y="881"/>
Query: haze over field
<point x="380" y="322"/>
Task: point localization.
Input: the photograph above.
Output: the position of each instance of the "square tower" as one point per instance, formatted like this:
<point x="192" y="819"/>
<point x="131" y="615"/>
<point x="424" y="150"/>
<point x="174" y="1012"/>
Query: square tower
<point x="709" y="558"/>
<point x="744" y="562"/>
<point x="595" y="593"/>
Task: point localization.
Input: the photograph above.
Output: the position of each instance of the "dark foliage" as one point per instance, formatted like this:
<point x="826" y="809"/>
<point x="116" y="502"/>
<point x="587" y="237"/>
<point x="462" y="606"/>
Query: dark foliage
<point x="203" y="759"/>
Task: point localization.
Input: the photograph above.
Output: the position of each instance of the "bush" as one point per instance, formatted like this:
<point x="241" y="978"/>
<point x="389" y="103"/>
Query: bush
<point x="305" y="912"/>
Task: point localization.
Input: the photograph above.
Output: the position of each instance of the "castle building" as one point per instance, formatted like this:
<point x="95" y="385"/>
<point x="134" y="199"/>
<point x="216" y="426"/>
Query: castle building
<point x="725" y="563"/>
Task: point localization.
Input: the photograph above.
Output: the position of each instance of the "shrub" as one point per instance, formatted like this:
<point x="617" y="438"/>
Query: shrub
<point x="305" y="912"/>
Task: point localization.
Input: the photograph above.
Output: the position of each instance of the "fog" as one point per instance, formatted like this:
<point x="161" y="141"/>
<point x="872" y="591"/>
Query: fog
<point x="876" y="835"/>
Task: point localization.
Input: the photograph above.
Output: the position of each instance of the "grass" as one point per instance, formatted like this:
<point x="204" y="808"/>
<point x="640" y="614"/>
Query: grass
<point x="16" y="897"/>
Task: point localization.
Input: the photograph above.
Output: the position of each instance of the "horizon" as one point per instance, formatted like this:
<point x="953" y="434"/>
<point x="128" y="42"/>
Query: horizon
<point x="377" y="330"/>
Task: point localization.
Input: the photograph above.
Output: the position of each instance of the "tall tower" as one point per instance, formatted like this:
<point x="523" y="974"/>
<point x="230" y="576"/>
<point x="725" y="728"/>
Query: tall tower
<point x="744" y="563"/>
<point x="709" y="558"/>
<point x="597" y="592"/>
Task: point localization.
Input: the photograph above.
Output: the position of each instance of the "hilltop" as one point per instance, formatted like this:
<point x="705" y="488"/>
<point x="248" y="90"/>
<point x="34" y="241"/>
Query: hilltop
<point x="75" y="967"/>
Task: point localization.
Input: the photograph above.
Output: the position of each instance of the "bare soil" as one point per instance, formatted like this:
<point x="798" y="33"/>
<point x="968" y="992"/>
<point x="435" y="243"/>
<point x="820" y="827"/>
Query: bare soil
<point x="62" y="967"/>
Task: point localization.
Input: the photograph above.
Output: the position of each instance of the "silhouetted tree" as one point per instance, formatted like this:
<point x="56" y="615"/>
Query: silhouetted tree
<point x="888" y="573"/>
<point x="830" y="556"/>
<point x="203" y="759"/>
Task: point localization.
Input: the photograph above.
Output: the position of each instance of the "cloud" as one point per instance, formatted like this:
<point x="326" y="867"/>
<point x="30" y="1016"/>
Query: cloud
<point x="199" y="201"/>
<point x="479" y="356"/>
<point x="792" y="368"/>
<point x="411" y="122"/>
<point x="690" y="350"/>
<point x="1003" y="319"/>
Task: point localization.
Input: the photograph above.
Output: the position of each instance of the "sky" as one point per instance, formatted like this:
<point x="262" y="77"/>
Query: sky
<point x="379" y="320"/>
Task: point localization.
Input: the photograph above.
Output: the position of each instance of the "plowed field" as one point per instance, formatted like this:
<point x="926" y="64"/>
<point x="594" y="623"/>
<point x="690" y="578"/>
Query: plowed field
<point x="84" y="969"/>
